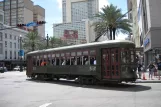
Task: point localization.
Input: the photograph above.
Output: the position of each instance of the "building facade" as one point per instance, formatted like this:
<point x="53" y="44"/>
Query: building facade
<point x="39" y="15"/>
<point x="133" y="16"/>
<point x="22" y="11"/>
<point x="76" y="10"/>
<point x="10" y="44"/>
<point x="84" y="28"/>
<point x="149" y="22"/>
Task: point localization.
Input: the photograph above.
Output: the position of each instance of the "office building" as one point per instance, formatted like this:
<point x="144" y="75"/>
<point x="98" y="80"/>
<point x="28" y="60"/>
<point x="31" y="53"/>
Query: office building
<point x="149" y="22"/>
<point x="39" y="15"/>
<point x="22" y="11"/>
<point x="78" y="15"/>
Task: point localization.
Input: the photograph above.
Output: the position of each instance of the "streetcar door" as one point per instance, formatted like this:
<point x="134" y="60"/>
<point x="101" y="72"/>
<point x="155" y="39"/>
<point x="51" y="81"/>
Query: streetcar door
<point x="115" y="63"/>
<point x="106" y="64"/>
<point x="110" y="63"/>
<point x="29" y="65"/>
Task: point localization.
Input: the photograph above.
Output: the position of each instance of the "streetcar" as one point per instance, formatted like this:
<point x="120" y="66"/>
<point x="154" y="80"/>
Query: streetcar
<point x="108" y="61"/>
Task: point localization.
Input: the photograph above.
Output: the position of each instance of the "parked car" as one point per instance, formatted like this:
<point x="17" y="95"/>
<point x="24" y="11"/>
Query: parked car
<point x="3" y="69"/>
<point x="17" y="68"/>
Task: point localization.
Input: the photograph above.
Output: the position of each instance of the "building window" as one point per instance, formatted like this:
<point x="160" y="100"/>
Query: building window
<point x="10" y="44"/>
<point x="10" y="36"/>
<point x="5" y="43"/>
<point x="14" y="37"/>
<point x="18" y="55"/>
<point x="15" y="45"/>
<point x="1" y="48"/>
<point x="15" y="54"/>
<point x="5" y="35"/>
<point x="1" y="36"/>
<point x="5" y="54"/>
<point x="10" y="54"/>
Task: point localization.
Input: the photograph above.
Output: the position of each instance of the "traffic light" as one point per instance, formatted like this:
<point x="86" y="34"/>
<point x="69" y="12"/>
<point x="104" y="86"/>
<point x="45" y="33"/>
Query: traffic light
<point x="40" y="22"/>
<point x="21" y="25"/>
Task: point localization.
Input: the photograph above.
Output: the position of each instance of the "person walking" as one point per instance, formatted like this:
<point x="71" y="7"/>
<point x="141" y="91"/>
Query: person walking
<point x="151" y="70"/>
<point x="159" y="68"/>
<point x="139" y="70"/>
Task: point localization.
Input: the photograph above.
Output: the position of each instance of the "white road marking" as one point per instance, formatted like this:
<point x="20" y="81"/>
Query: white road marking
<point x="45" y="105"/>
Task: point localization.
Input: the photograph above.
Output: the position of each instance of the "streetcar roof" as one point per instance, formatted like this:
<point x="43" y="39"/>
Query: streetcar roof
<point x="83" y="46"/>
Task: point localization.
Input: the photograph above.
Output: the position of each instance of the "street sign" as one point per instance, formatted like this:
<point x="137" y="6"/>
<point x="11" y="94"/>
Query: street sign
<point x="31" y="24"/>
<point x="21" y="53"/>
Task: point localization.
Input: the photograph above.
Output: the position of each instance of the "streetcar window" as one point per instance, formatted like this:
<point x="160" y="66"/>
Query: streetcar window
<point x="67" y="61"/>
<point x="85" y="60"/>
<point x="63" y="61"/>
<point x="38" y="64"/>
<point x="53" y="62"/>
<point x="85" y="53"/>
<point x="79" y="53"/>
<point x="57" y="61"/>
<point x="45" y="63"/>
<point x="127" y="55"/>
<point x="73" y="61"/>
<point x="73" y="54"/>
<point x="79" y="60"/>
<point x="92" y="52"/>
<point x="92" y="60"/>
<point x="34" y="62"/>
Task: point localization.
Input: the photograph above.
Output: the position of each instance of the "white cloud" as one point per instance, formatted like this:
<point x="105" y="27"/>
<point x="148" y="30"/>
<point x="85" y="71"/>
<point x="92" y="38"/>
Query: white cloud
<point x="121" y="36"/>
<point x="59" y="3"/>
<point x="103" y="3"/>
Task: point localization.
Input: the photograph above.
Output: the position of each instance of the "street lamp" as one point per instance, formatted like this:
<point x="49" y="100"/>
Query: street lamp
<point x="47" y="41"/>
<point x="21" y="53"/>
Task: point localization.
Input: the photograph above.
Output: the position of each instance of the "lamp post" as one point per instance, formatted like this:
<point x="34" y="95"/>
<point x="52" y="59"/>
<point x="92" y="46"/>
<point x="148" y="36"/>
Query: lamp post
<point x="20" y="54"/>
<point x="47" y="40"/>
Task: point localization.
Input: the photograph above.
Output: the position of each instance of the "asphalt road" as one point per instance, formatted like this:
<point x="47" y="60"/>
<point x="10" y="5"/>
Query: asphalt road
<point x="18" y="91"/>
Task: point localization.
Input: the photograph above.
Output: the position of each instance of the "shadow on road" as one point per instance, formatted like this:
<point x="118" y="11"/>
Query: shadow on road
<point x="117" y="87"/>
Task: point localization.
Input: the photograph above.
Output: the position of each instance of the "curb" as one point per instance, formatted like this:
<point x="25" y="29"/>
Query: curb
<point x="146" y="81"/>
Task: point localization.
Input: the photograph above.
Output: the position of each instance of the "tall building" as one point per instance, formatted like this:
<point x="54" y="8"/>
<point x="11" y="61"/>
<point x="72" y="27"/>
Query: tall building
<point x="76" y="10"/>
<point x="22" y="11"/>
<point x="149" y="22"/>
<point x="39" y="15"/>
<point x="78" y="16"/>
<point x="17" y="11"/>
<point x="133" y="16"/>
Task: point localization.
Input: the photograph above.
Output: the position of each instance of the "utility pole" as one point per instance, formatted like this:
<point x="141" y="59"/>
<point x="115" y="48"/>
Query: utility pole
<point x="47" y="40"/>
<point x="21" y="54"/>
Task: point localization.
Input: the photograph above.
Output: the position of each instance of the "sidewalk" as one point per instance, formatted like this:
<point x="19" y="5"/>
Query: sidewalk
<point x="155" y="79"/>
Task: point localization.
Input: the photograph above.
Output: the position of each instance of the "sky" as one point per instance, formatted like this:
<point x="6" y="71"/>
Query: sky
<point x="53" y="12"/>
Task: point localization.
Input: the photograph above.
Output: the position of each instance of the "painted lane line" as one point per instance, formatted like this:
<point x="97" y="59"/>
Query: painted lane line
<point x="45" y="105"/>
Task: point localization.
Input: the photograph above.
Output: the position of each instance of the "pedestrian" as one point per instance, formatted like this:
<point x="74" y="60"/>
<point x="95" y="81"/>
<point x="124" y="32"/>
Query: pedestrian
<point x="139" y="70"/>
<point x="159" y="68"/>
<point x="151" y="70"/>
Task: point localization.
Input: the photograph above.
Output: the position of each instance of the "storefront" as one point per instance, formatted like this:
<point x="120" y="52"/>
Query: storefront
<point x="11" y="64"/>
<point x="152" y="46"/>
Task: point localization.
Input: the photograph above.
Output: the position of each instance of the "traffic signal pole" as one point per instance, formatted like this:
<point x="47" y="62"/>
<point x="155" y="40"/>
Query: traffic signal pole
<point x="27" y="25"/>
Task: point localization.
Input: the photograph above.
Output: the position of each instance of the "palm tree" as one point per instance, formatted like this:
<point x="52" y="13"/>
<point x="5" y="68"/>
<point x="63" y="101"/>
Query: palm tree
<point x="113" y="21"/>
<point x="32" y="41"/>
<point x="56" y="42"/>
